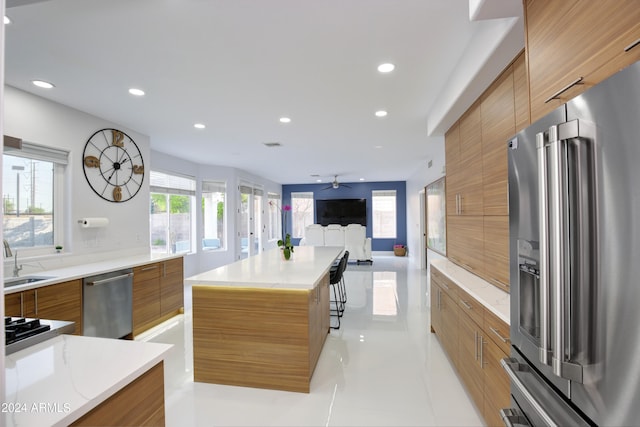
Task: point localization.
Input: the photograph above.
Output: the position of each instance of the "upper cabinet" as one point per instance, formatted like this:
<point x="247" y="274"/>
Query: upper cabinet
<point x="498" y="125"/>
<point x="572" y="45"/>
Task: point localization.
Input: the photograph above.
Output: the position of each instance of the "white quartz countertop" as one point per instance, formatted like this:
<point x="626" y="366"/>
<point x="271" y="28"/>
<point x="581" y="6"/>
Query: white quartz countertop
<point x="495" y="300"/>
<point x="307" y="265"/>
<point x="55" y="382"/>
<point x="89" y="269"/>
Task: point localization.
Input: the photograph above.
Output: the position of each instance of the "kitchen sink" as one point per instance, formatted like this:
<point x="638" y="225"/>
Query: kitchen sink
<point x="15" y="281"/>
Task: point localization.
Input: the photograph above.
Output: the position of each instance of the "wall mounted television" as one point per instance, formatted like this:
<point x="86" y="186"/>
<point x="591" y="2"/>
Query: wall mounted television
<point x="341" y="211"/>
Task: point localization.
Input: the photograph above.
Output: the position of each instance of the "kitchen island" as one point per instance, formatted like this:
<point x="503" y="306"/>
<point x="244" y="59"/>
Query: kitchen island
<point x="71" y="380"/>
<point x="262" y="321"/>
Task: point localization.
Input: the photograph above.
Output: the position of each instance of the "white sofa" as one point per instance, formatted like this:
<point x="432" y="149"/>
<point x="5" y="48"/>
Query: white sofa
<point x="352" y="238"/>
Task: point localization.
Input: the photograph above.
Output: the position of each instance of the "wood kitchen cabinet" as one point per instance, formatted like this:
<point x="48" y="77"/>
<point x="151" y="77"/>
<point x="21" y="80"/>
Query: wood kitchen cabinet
<point x="62" y="301"/>
<point x="465" y="242"/>
<point x="498" y="125"/>
<point x="158" y="293"/>
<point x="521" y="93"/>
<point x="318" y="319"/>
<point x="572" y="45"/>
<point x="444" y="314"/>
<point x="171" y="287"/>
<point x="470" y="194"/>
<point x="146" y="297"/>
<point x="482" y="341"/>
<point x="452" y="158"/>
<point x="496" y="250"/>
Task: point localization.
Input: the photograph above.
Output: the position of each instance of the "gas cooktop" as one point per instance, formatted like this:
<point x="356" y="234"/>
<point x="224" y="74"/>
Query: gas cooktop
<point x="21" y="332"/>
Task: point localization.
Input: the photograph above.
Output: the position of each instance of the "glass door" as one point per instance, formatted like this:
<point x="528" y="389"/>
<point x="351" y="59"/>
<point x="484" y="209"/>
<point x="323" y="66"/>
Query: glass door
<point x="249" y="221"/>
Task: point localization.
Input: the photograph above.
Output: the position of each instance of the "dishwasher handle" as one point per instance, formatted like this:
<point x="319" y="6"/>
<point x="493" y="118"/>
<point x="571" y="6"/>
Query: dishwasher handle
<point x="109" y="280"/>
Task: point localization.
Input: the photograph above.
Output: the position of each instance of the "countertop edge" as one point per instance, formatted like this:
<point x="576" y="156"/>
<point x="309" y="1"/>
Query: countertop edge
<point x="154" y="354"/>
<point x="444" y="266"/>
<point x="84" y="270"/>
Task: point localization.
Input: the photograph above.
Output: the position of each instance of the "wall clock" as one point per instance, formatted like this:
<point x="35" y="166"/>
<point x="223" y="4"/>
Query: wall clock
<point x="113" y="165"/>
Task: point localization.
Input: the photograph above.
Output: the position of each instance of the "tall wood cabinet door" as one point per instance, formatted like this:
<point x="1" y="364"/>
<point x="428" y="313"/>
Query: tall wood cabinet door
<point x="471" y="199"/>
<point x="572" y="39"/>
<point x="467" y="242"/>
<point x="449" y="326"/>
<point x="452" y="161"/>
<point x="498" y="125"/>
<point x="171" y="286"/>
<point x="469" y="359"/>
<point x="521" y="93"/>
<point x="436" y="322"/>
<point x="13" y="304"/>
<point x="146" y="296"/>
<point x="62" y="301"/>
<point x="496" y="250"/>
<point x="496" y="383"/>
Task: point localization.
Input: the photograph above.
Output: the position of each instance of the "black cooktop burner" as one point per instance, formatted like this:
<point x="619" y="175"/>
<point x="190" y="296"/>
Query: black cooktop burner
<point x="19" y="328"/>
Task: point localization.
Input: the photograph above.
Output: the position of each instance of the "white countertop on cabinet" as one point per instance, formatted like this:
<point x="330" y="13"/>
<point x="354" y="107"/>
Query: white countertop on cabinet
<point x="495" y="300"/>
<point x="307" y="265"/>
<point x="59" y="380"/>
<point x="89" y="269"/>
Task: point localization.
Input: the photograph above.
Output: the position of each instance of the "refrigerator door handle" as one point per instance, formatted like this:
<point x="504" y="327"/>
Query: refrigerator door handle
<point x="512" y="366"/>
<point x="559" y="263"/>
<point x="543" y="218"/>
<point x="512" y="417"/>
<point x="557" y="246"/>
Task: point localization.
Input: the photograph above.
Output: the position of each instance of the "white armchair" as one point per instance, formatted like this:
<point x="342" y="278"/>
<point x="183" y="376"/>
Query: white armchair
<point x="352" y="238"/>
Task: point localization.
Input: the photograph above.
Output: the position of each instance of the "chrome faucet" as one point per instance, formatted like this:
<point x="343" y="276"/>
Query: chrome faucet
<point x="16" y="269"/>
<point x="9" y="254"/>
<point x="7" y="249"/>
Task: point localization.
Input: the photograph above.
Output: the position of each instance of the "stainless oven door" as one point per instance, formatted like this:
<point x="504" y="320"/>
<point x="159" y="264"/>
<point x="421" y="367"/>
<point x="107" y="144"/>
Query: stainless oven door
<point x="534" y="401"/>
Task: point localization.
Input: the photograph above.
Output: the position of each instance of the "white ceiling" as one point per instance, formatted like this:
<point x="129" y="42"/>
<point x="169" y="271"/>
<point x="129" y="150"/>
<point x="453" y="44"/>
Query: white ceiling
<point x="239" y="65"/>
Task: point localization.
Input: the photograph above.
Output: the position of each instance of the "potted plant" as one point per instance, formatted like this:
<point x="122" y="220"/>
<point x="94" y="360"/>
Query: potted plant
<point x="286" y="246"/>
<point x="58" y="249"/>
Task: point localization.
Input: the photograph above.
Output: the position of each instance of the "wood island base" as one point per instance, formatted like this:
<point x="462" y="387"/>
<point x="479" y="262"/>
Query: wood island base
<point x="259" y="337"/>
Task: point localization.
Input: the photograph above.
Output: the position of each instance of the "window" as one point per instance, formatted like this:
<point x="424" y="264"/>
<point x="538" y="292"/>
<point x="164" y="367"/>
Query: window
<point x="384" y="213"/>
<point x="32" y="198"/>
<point x="171" y="222"/>
<point x="274" y="226"/>
<point x="302" y="212"/>
<point x="213" y="215"/>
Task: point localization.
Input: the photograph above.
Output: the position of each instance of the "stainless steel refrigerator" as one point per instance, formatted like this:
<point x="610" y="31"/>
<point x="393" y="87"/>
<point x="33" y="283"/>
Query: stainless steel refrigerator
<point x="574" y="219"/>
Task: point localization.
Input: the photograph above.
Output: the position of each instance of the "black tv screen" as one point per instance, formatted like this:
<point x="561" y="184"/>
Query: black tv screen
<point x="341" y="211"/>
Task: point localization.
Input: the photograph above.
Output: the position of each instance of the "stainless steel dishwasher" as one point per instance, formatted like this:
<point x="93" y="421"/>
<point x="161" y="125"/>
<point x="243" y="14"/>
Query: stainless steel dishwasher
<point x="107" y="304"/>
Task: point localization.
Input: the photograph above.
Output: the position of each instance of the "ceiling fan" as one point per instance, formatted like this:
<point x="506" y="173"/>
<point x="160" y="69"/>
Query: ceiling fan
<point x="335" y="184"/>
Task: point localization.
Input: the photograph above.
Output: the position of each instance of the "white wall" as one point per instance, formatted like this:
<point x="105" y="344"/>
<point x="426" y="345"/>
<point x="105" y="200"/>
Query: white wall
<point x="37" y="120"/>
<point x="206" y="260"/>
<point x="416" y="183"/>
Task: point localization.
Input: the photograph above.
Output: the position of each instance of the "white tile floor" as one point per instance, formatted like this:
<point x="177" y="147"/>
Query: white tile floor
<point x="383" y="367"/>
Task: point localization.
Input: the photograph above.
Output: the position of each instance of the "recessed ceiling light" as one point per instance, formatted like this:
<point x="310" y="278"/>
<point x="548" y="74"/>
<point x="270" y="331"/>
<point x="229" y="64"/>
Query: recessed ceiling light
<point x="199" y="126"/>
<point x="136" y="92"/>
<point x="318" y="180"/>
<point x="381" y="113"/>
<point x="386" y="68"/>
<point x="42" y="84"/>
<point x="378" y="146"/>
<point x="7" y="20"/>
<point x="285" y="120"/>
<point x="361" y="179"/>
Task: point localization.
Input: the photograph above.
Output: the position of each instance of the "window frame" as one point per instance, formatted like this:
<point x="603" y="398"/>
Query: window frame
<point x="375" y="232"/>
<point x="223" y="238"/>
<point x="60" y="160"/>
<point x="293" y="211"/>
<point x="175" y="191"/>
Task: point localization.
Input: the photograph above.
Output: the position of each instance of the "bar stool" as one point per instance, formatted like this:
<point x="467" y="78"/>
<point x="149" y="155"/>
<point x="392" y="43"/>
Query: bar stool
<point x="335" y="278"/>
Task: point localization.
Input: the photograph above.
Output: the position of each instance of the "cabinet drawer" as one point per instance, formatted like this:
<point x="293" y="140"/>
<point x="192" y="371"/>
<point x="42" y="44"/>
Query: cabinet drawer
<point x="172" y="266"/>
<point x="146" y="272"/>
<point x="445" y="283"/>
<point x="471" y="307"/>
<point x="497" y="331"/>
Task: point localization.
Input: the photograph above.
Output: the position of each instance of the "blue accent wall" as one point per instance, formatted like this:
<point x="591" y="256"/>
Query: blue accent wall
<point x="359" y="190"/>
